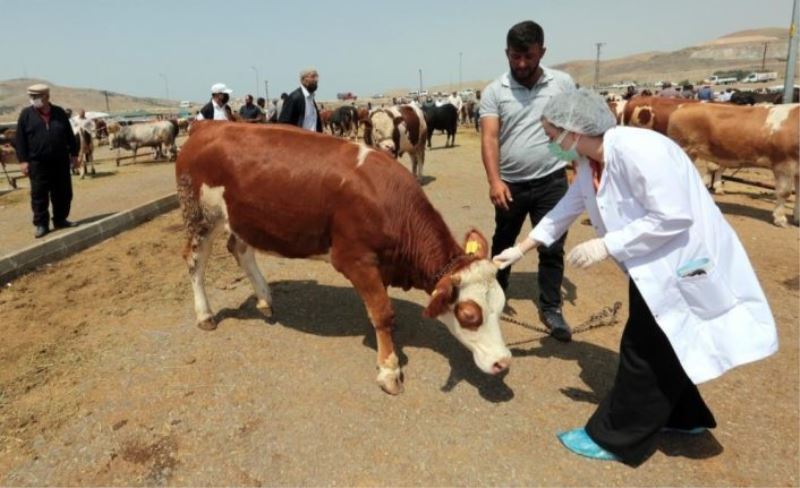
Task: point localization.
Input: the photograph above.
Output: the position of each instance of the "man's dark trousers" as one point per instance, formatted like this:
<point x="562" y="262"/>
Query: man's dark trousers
<point x="51" y="181"/>
<point x="533" y="199"/>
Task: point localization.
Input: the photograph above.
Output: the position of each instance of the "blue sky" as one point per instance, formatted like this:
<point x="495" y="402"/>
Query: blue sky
<point x="359" y="46"/>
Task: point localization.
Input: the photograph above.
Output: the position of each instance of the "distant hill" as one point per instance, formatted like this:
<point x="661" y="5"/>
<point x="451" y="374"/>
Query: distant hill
<point x="14" y="98"/>
<point x="740" y="50"/>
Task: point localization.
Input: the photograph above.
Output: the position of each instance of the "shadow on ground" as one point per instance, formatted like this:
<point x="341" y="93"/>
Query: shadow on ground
<point x="339" y="311"/>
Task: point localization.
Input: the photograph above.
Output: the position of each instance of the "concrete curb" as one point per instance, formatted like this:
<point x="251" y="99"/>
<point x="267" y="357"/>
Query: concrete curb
<point x="25" y="260"/>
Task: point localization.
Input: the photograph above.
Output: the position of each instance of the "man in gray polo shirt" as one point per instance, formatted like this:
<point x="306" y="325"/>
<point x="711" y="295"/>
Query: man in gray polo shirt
<point x="525" y="179"/>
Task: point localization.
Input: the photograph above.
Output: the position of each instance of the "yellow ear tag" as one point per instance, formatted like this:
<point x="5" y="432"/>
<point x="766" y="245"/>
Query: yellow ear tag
<point x="472" y="247"/>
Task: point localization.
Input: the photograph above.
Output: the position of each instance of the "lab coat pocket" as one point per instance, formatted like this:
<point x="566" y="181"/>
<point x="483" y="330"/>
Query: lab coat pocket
<point x="708" y="295"/>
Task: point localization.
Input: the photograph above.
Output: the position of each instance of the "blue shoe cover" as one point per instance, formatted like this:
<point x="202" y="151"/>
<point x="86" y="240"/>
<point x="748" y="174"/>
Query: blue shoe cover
<point x="579" y="442"/>
<point x="695" y="431"/>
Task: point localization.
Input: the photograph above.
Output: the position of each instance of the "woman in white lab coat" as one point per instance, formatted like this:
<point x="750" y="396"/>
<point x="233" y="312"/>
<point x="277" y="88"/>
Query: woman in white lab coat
<point x="696" y="307"/>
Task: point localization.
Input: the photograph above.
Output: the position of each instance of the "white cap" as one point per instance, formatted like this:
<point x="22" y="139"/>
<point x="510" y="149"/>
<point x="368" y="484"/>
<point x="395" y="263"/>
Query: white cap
<point x="220" y="88"/>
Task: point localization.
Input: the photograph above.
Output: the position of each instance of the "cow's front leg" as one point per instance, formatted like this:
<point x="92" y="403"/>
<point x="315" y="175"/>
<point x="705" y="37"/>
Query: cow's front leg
<point x="368" y="283"/>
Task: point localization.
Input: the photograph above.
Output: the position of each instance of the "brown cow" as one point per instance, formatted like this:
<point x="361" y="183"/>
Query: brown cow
<point x="299" y="194"/>
<point x="651" y="112"/>
<point x="397" y="130"/>
<point x="729" y="136"/>
<point x="325" y="119"/>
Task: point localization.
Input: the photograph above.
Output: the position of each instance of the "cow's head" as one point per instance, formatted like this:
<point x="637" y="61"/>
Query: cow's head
<point x="469" y="301"/>
<point x="384" y="133"/>
<point x="118" y="140"/>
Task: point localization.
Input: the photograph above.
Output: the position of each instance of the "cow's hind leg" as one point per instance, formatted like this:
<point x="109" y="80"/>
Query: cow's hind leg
<point x="370" y="287"/>
<point x="783" y="189"/>
<point x="246" y="258"/>
<point x="201" y="228"/>
<point x="196" y="253"/>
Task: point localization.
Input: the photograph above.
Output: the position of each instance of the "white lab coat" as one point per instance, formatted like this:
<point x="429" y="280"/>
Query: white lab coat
<point x="655" y="215"/>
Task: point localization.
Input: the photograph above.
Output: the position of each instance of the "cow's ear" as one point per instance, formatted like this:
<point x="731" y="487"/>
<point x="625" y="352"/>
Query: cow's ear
<point x="476" y="245"/>
<point x="442" y="297"/>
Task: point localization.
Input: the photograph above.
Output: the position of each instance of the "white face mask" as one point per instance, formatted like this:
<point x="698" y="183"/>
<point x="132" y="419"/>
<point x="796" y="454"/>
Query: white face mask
<point x="37" y="102"/>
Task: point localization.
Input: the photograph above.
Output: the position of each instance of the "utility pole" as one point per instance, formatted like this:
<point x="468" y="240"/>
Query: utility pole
<point x="597" y="65"/>
<point x="266" y="91"/>
<point x="257" y="82"/>
<point x="420" y="81"/>
<point x="460" y="58"/>
<point x="788" y="79"/>
<point x="764" y="57"/>
<point x="108" y="109"/>
<point x="166" y="84"/>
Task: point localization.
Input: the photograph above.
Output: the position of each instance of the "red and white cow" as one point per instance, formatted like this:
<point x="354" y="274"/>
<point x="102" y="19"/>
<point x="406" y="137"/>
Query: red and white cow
<point x="720" y="136"/>
<point x="651" y="112"/>
<point x="397" y="130"/>
<point x="299" y="194"/>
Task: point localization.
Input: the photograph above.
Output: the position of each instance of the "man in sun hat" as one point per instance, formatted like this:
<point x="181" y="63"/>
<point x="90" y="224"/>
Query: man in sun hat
<point x="217" y="108"/>
<point x="47" y="149"/>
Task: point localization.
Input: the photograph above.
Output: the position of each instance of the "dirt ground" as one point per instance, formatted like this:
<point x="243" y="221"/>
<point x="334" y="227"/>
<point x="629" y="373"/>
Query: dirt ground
<point x="105" y="380"/>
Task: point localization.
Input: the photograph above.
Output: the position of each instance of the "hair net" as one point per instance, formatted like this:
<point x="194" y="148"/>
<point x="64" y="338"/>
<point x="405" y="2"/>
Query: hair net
<point x="581" y="111"/>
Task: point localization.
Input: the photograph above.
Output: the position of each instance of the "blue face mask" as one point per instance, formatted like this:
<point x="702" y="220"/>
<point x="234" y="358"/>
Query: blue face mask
<point x="562" y="154"/>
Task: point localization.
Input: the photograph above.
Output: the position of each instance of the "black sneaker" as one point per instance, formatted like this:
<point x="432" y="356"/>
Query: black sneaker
<point x="41" y="231"/>
<point x="64" y="224"/>
<point x="559" y="328"/>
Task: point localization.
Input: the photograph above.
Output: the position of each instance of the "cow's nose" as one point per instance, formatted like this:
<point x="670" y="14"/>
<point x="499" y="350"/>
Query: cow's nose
<point x="501" y="365"/>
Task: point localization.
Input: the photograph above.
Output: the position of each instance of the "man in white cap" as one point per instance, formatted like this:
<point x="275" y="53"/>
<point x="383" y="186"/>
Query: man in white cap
<point x="217" y="108"/>
<point x="299" y="108"/>
<point x="46" y="149"/>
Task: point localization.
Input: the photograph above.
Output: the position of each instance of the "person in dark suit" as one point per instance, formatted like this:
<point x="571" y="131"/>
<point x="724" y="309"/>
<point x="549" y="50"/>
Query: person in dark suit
<point x="47" y="149"/>
<point x="299" y="108"/>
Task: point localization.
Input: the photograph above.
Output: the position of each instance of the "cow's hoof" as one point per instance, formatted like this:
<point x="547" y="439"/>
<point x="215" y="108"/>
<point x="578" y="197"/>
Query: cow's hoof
<point x="391" y="381"/>
<point x="780" y="221"/>
<point x="207" y="324"/>
<point x="265" y="308"/>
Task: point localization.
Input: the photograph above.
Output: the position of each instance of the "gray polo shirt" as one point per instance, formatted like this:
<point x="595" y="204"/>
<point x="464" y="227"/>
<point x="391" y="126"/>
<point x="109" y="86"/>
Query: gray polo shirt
<point x="523" y="143"/>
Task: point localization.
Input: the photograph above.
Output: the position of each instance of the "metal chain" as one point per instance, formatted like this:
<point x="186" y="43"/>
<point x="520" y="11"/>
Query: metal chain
<point x="604" y="318"/>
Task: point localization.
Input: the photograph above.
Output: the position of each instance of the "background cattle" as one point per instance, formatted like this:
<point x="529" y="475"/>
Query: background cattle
<point x="444" y="118"/>
<point x="151" y="134"/>
<point x="352" y="204"/>
<point x="8" y="155"/>
<point x="341" y="121"/>
<point x="752" y="98"/>
<point x="729" y="136"/>
<point x="325" y="119"/>
<point x="397" y="130"/>
<point x="85" y="151"/>
<point x="651" y="112"/>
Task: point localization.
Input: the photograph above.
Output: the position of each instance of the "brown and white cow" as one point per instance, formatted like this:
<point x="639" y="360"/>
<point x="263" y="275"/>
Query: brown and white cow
<point x="651" y="112"/>
<point x="85" y="150"/>
<point x="720" y="136"/>
<point x="397" y="130"/>
<point x="299" y="194"/>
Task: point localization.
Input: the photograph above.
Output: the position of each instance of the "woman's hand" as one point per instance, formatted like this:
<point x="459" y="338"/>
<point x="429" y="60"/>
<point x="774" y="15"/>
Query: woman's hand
<point x="588" y="253"/>
<point x="508" y="257"/>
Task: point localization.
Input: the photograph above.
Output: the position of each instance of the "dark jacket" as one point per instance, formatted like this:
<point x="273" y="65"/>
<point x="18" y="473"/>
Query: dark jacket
<point x="37" y="141"/>
<point x="294" y="110"/>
